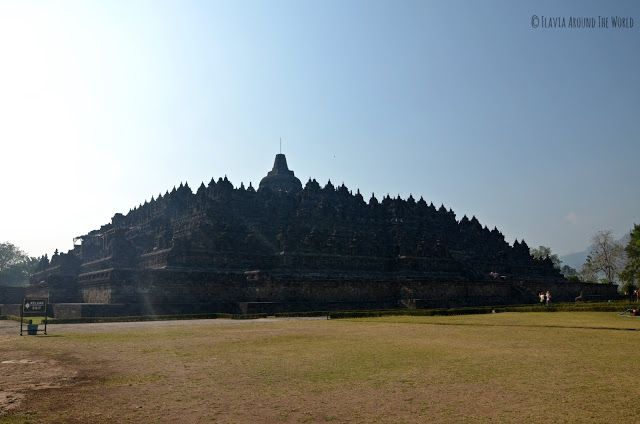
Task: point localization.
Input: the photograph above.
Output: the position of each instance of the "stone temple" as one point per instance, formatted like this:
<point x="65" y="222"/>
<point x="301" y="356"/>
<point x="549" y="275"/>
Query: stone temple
<point x="285" y="247"/>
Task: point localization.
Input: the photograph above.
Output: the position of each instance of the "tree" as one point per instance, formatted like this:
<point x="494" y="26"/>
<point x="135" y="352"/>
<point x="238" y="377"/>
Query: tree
<point x="543" y="252"/>
<point x="10" y="255"/>
<point x="631" y="272"/>
<point x="588" y="274"/>
<point x="606" y="258"/>
<point x="569" y="271"/>
<point x="15" y="265"/>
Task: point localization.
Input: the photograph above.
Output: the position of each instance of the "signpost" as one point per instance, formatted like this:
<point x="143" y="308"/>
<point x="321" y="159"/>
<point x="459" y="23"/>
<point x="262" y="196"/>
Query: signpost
<point x="33" y="307"/>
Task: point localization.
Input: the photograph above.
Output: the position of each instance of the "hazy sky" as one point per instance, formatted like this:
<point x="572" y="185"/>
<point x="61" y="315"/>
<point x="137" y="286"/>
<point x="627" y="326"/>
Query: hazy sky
<point x="533" y="130"/>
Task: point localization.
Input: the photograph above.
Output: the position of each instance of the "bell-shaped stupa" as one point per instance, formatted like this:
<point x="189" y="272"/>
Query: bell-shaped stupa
<point x="280" y="178"/>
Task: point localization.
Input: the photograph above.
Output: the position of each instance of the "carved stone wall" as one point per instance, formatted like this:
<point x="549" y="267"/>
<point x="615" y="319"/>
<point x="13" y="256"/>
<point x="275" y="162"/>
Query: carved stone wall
<point x="154" y="288"/>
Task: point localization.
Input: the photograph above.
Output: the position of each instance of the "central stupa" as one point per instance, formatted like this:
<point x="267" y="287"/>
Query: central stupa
<point x="280" y="178"/>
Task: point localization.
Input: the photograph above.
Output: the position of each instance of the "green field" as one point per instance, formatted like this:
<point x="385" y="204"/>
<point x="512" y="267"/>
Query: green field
<point x="508" y="367"/>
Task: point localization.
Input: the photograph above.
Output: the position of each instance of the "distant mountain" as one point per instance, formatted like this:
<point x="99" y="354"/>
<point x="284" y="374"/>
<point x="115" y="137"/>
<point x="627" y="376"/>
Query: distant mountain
<point x="625" y="239"/>
<point x="577" y="259"/>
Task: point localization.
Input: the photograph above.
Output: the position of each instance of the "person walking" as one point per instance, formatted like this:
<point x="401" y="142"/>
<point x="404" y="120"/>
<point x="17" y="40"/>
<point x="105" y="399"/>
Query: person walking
<point x="548" y="297"/>
<point x="541" y="298"/>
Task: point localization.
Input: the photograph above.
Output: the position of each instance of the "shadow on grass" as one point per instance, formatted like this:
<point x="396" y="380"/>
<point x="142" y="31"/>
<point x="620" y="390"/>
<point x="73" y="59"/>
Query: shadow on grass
<point x="464" y="324"/>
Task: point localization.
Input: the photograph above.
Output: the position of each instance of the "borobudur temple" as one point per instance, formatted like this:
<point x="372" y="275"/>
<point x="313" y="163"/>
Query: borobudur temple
<point x="286" y="248"/>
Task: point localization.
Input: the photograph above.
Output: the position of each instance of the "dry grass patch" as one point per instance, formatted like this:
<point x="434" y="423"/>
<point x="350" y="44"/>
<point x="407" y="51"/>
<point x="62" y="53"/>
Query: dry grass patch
<point x="525" y="367"/>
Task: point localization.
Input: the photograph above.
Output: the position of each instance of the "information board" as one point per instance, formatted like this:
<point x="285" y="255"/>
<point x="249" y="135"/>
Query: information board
<point x="34" y="307"/>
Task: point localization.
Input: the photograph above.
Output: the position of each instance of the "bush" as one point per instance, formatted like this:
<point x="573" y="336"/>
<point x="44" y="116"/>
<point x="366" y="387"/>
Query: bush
<point x="558" y="307"/>
<point x="628" y="288"/>
<point x="301" y="314"/>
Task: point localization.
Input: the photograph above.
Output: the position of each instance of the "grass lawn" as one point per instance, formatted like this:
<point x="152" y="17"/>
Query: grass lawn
<point x="509" y="367"/>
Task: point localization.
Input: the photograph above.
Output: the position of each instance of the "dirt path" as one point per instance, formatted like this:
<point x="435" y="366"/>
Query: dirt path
<point x="25" y="371"/>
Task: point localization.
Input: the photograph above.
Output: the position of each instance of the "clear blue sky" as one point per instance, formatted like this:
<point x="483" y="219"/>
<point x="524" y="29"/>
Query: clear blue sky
<point x="535" y="131"/>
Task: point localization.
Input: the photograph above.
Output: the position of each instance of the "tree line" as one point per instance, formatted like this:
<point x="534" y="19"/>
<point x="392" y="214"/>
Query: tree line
<point x="607" y="262"/>
<point x="15" y="265"/>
